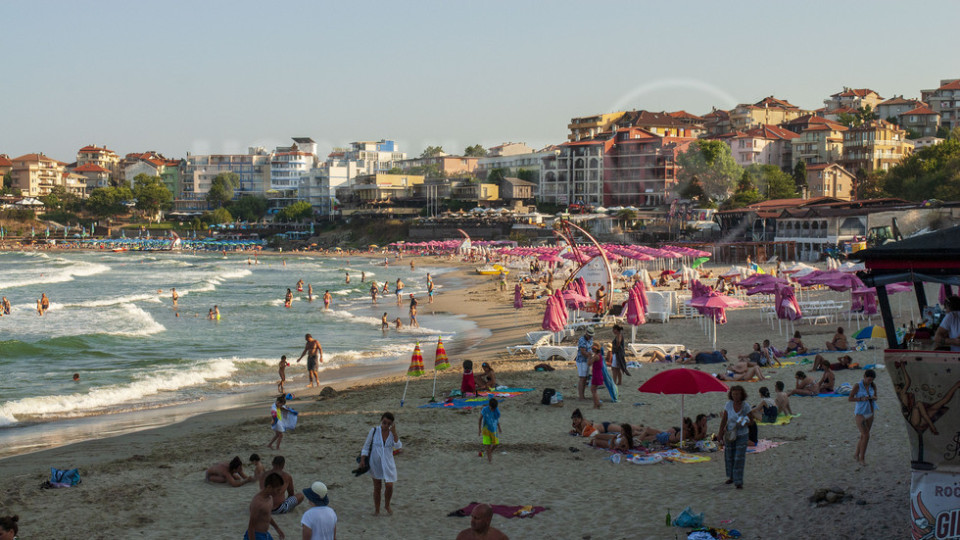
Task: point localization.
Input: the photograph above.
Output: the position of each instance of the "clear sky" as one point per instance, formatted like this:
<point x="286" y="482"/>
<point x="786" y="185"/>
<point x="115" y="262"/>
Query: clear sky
<point x="219" y="76"/>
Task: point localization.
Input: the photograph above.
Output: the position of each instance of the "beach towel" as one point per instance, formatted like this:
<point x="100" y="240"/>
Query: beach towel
<point x="508" y="512"/>
<point x="476" y="401"/>
<point x="782" y="420"/>
<point x="762" y="446"/>
<point x="831" y="394"/>
<point x="64" y="478"/>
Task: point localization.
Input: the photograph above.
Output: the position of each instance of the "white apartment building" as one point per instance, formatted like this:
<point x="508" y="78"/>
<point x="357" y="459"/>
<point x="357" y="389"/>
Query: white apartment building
<point x="289" y="164"/>
<point x="319" y="186"/>
<point x="945" y="100"/>
<point x="253" y="168"/>
<point x="374" y="156"/>
<point x="513" y="157"/>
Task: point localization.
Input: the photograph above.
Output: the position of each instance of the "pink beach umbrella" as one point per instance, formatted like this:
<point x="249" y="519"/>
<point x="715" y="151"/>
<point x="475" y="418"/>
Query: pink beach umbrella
<point x="635" y="314"/>
<point x="718" y="305"/>
<point x="517" y="297"/>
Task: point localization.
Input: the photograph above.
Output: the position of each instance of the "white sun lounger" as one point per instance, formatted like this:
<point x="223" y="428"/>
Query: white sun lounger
<point x="641" y="349"/>
<point x="547" y="352"/>
<point x="543" y="340"/>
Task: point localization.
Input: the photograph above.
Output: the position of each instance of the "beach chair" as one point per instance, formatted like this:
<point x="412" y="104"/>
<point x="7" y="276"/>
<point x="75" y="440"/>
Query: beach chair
<point x="549" y="351"/>
<point x="641" y="349"/>
<point x="541" y="341"/>
<point x="659" y="306"/>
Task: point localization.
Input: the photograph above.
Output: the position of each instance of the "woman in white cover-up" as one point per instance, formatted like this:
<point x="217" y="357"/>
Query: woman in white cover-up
<point x="378" y="452"/>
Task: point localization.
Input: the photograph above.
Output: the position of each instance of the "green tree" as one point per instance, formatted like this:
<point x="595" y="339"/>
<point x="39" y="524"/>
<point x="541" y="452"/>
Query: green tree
<point x="772" y="182"/>
<point x="297" y="211"/>
<point x="152" y="195"/>
<point x="693" y="191"/>
<point x="527" y="174"/>
<point x="746" y="192"/>
<point x="58" y="198"/>
<point x="432" y="151"/>
<point x="395" y="170"/>
<point x="870" y="186"/>
<point x="954" y="134"/>
<point x="222" y="187"/>
<point x="931" y="172"/>
<point x="800" y="176"/>
<point x="497" y="174"/>
<point x="108" y="201"/>
<point x="7" y="183"/>
<point x="217" y="216"/>
<point x="711" y="164"/>
<point x="863" y="114"/>
<point x="475" y="151"/>
<point x="249" y="207"/>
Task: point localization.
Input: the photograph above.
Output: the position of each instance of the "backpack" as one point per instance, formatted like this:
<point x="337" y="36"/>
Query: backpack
<point x="547" y="394"/>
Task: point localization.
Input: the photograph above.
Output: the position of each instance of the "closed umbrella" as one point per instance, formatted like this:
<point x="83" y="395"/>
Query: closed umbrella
<point x="415" y="370"/>
<point x="682" y="381"/>
<point x="555" y="316"/>
<point x="440" y="362"/>
<point x="517" y="297"/>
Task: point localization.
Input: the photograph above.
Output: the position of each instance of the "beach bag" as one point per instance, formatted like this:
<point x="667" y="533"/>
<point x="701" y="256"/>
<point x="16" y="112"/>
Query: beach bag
<point x="556" y="400"/>
<point x="547" y="394"/>
<point x="844" y="389"/>
<point x="688" y="519"/>
<point x="730" y="435"/>
<point x="68" y="477"/>
<point x="361" y="469"/>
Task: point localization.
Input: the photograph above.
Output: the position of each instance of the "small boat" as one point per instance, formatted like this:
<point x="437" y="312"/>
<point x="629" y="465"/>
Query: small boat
<point x="118" y="250"/>
<point x="493" y="270"/>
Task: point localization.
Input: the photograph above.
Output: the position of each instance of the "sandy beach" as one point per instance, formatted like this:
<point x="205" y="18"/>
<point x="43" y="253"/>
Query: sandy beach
<point x="149" y="484"/>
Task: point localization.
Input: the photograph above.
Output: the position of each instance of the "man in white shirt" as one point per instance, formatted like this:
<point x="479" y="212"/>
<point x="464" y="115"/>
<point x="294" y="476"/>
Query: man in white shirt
<point x="319" y="522"/>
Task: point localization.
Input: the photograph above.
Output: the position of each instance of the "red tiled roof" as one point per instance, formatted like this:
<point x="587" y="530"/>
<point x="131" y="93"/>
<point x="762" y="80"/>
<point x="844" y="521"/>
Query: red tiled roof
<point x="768" y="131"/>
<point x="826" y="126"/>
<point x="842" y="110"/>
<point x="899" y="100"/>
<point x="955" y="85"/>
<point x="5" y="162"/>
<point x="647" y="118"/>
<point x="94" y="148"/>
<point x="771" y="101"/>
<point x="34" y="157"/>
<point x="920" y="110"/>
<point x="718" y="113"/>
<point x="91" y="167"/>
<point x="685" y="115"/>
<point x="851" y="92"/>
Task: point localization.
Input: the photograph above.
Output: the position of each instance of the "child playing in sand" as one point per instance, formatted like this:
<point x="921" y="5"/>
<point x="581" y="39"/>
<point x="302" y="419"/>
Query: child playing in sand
<point x="782" y="400"/>
<point x="489" y="427"/>
<point x="468" y="383"/>
<point x="283" y="373"/>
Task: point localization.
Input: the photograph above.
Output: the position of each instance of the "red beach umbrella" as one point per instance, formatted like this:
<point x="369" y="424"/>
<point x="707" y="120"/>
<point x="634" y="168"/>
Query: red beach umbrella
<point x="682" y="381"/>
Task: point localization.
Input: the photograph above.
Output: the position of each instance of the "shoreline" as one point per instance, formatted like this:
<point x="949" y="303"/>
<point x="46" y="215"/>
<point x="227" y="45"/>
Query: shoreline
<point x="160" y="470"/>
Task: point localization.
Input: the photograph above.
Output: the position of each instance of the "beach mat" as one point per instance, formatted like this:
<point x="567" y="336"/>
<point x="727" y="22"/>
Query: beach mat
<point x="762" y="446"/>
<point x="478" y="401"/>
<point x="501" y="510"/>
<point x="831" y="394"/>
<point x="782" y="420"/>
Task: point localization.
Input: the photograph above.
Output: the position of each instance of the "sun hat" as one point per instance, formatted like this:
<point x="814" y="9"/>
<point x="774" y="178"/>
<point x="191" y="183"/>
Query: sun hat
<point x="317" y="494"/>
<point x="589" y="330"/>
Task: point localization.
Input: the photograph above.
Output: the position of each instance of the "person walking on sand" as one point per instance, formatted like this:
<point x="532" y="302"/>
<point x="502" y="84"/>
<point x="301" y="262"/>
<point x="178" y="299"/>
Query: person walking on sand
<point x="480" y="528"/>
<point x="377" y="453"/>
<point x="327" y="298"/>
<point x="174" y="296"/>
<point x="278" y="412"/>
<point x="258" y="527"/>
<point x="314" y="353"/>
<point x="488" y="427"/>
<point x="281" y="504"/>
<point x="283" y="373"/>
<point x="865" y="396"/>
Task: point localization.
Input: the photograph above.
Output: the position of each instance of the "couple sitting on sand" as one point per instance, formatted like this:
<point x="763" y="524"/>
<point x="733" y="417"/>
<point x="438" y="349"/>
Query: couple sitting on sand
<point x="624" y="437"/>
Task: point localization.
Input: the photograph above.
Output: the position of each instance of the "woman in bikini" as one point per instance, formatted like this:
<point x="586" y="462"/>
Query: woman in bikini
<point x="622" y="441"/>
<point x="805" y="386"/>
<point x="795" y="345"/>
<point x="825" y="384"/>
<point x="650" y="434"/>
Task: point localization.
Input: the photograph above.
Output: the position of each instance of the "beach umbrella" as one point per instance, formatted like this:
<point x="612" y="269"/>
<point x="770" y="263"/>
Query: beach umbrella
<point x="628" y="273"/>
<point x="682" y="381"/>
<point x="440" y="362"/>
<point x="517" y="297"/>
<point x="555" y="316"/>
<point x="718" y="305"/>
<point x="635" y="315"/>
<point x="698" y="261"/>
<point x="871" y="332"/>
<point x="415" y="370"/>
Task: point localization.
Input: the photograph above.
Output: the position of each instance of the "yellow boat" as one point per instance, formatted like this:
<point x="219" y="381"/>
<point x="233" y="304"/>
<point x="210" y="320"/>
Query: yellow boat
<point x="493" y="270"/>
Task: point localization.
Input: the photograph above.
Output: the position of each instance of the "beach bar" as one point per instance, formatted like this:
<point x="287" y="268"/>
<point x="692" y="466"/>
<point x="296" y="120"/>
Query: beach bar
<point x="925" y="377"/>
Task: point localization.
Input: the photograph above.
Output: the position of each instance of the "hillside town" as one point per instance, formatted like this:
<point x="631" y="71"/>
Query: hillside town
<point x="812" y="179"/>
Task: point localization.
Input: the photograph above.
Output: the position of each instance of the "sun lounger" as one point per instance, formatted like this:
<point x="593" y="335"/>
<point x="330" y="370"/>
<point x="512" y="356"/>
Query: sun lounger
<point x="548" y="352"/>
<point x="642" y="349"/>
<point x="543" y="340"/>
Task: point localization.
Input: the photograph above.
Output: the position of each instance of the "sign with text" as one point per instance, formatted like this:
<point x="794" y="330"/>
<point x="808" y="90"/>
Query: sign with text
<point x="934" y="505"/>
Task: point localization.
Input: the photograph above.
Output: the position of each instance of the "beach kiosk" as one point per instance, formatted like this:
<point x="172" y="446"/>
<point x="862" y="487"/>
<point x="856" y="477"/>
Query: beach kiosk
<point x="925" y="378"/>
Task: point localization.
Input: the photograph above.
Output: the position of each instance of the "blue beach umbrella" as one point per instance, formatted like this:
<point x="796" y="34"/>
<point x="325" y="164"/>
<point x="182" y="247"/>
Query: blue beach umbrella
<point x="871" y="332"/>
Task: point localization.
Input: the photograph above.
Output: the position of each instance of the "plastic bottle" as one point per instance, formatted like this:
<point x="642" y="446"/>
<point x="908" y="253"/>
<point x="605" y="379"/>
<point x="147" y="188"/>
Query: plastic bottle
<point x="669" y="521"/>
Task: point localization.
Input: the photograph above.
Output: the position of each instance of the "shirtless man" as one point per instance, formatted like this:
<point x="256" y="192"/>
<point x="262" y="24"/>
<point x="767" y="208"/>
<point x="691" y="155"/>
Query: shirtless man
<point x="282" y="504"/>
<point x="480" y="528"/>
<point x="741" y="371"/>
<point x="174" y="295"/>
<point x="806" y="386"/>
<point x="314" y="353"/>
<point x="309" y="293"/>
<point x="327" y="297"/>
<point x="228" y="473"/>
<point x="399" y="290"/>
<point x="44" y="302"/>
<point x="783" y="402"/>
<point x="258" y="528"/>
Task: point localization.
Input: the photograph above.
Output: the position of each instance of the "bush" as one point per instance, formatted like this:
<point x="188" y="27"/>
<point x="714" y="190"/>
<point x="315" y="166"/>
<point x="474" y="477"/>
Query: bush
<point x="62" y="216"/>
<point x="18" y="214"/>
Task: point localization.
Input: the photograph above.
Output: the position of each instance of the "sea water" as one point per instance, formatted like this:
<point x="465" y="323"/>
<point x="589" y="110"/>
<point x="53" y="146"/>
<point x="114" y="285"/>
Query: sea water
<point x="112" y="321"/>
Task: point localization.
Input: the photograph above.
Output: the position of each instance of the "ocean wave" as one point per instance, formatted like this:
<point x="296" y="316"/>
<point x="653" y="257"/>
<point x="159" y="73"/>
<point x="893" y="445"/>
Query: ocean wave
<point x="56" y="275"/>
<point x="129" y="299"/>
<point x="106" y="397"/>
<point x="127" y="320"/>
